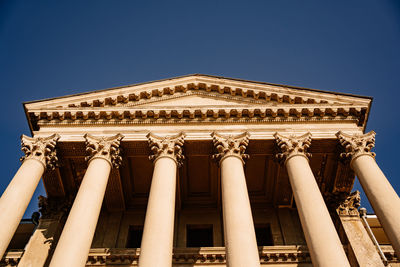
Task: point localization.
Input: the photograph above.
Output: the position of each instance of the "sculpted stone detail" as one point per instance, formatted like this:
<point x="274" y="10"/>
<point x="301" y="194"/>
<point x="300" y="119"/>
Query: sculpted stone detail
<point x="356" y="145"/>
<point x="350" y="205"/>
<point x="230" y="146"/>
<point x="344" y="203"/>
<point x="292" y="146"/>
<point x="206" y="256"/>
<point x="168" y="146"/>
<point x="107" y="148"/>
<point x="41" y="149"/>
<point x="50" y="207"/>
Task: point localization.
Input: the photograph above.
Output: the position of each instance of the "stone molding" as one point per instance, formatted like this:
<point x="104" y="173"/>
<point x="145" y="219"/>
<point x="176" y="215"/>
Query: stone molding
<point x="168" y="146"/>
<point x="11" y="257"/>
<point x="138" y="104"/>
<point x="230" y="146"/>
<point x="292" y="145"/>
<point x="118" y="114"/>
<point x="356" y="145"/>
<point x="290" y="254"/>
<point x="41" y="149"/>
<point x="107" y="148"/>
<point x="390" y="254"/>
<point x="344" y="204"/>
<point x="250" y="90"/>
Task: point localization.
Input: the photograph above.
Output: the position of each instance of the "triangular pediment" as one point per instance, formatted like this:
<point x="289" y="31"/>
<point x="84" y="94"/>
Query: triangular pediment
<point x="208" y="86"/>
<point x="202" y="96"/>
<point x="199" y="99"/>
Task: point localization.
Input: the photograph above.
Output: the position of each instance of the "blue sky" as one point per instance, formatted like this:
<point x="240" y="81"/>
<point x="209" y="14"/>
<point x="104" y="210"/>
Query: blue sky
<point x="55" y="48"/>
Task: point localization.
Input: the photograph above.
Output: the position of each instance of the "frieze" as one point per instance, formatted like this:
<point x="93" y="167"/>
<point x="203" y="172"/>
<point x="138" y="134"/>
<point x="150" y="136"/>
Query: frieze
<point x="198" y="113"/>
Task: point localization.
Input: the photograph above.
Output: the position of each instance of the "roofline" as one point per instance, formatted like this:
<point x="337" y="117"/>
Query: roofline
<point x="198" y="74"/>
<point x="27" y="118"/>
<point x="367" y="115"/>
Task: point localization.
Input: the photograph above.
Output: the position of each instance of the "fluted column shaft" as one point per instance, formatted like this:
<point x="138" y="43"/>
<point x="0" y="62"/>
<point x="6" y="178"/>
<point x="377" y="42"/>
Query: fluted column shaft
<point x="380" y="193"/>
<point x="40" y="154"/>
<point x="322" y="239"/>
<point x="240" y="239"/>
<point x="76" y="238"/>
<point x="158" y="233"/>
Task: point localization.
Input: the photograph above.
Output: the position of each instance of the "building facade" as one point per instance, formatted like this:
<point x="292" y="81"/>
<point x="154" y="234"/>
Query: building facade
<point x="200" y="170"/>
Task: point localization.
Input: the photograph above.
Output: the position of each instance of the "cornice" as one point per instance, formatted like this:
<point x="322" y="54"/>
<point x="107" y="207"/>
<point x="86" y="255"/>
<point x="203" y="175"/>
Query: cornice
<point x="120" y="116"/>
<point x="245" y="99"/>
<point x="262" y="92"/>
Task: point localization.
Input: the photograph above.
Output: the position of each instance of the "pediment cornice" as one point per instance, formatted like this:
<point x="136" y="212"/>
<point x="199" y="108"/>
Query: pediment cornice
<point x="224" y="99"/>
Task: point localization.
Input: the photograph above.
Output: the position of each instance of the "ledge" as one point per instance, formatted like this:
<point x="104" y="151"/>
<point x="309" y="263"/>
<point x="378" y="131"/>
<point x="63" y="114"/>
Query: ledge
<point x="12" y="257"/>
<point x="199" y="256"/>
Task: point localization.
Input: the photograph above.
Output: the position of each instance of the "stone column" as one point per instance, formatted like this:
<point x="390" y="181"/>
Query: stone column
<point x="362" y="251"/>
<point x="380" y="193"/>
<point x="240" y="239"/>
<point x="76" y="238"/>
<point x="39" y="154"/>
<point x="158" y="232"/>
<point x="322" y="239"/>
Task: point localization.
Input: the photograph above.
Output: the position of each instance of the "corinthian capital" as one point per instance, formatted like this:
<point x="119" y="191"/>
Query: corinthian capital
<point x="41" y="149"/>
<point x="292" y="146"/>
<point x="344" y="203"/>
<point x="229" y="145"/>
<point x="104" y="147"/>
<point x="168" y="146"/>
<point x="356" y="145"/>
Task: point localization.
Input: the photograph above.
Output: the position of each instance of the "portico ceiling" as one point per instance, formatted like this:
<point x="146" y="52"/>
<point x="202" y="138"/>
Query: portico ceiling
<point x="198" y="105"/>
<point x="198" y="178"/>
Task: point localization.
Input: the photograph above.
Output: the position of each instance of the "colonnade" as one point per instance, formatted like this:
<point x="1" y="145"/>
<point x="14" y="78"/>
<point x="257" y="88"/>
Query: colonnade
<point x="240" y="241"/>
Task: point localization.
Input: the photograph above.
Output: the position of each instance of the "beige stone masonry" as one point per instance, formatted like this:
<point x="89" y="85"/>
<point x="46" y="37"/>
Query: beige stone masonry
<point x="38" y="249"/>
<point x="240" y="238"/>
<point x="198" y="104"/>
<point x="39" y="154"/>
<point x="158" y="232"/>
<point x="363" y="251"/>
<point x="322" y="239"/>
<point x="380" y="193"/>
<point x="74" y="244"/>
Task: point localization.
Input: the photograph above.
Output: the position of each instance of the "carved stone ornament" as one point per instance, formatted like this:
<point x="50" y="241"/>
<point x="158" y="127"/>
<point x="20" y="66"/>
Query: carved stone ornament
<point x="107" y="148"/>
<point x="292" y="146"/>
<point x="168" y="146"/>
<point x="50" y="207"/>
<point x="345" y="204"/>
<point x="356" y="145"/>
<point x="229" y="145"/>
<point x="41" y="149"/>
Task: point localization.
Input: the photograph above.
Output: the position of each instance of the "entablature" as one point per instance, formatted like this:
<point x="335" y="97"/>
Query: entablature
<point x="198" y="99"/>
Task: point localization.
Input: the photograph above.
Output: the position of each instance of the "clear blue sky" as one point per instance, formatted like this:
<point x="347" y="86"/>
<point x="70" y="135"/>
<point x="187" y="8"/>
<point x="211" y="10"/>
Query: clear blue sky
<point x="55" y="48"/>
